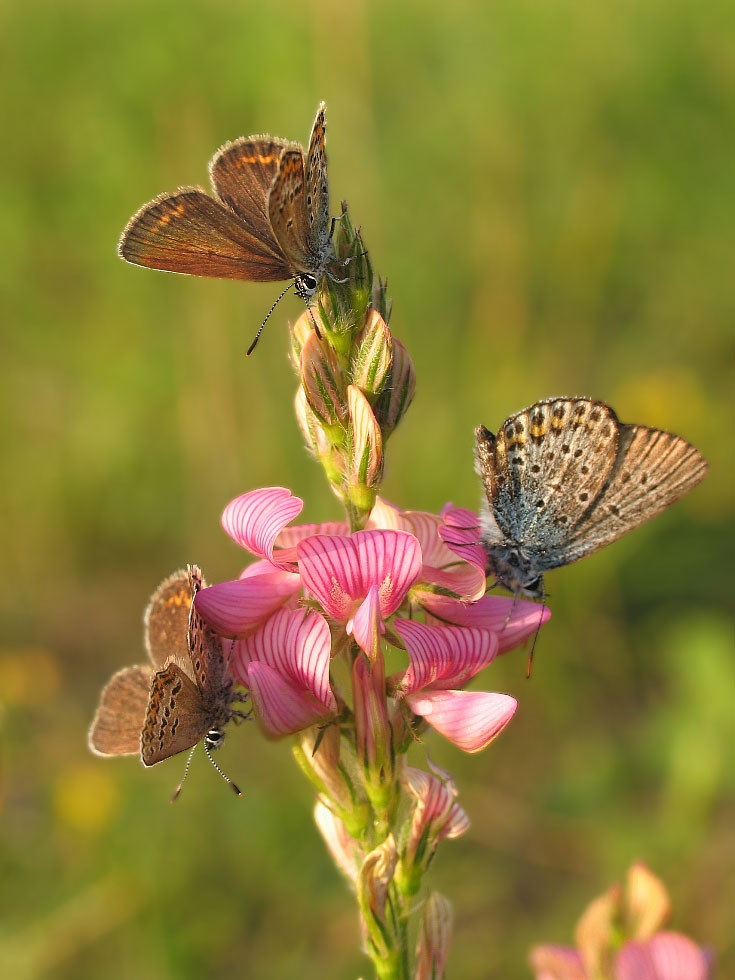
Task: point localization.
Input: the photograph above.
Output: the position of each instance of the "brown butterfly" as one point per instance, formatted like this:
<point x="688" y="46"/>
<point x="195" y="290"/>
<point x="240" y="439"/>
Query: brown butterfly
<point x="564" y="478"/>
<point x="267" y="219"/>
<point x="184" y="698"/>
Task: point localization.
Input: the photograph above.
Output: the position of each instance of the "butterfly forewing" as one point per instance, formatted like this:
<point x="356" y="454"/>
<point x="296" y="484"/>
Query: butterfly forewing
<point x="653" y="470"/>
<point x="191" y="233"/>
<point x="550" y="463"/>
<point x="121" y="713"/>
<point x="242" y="173"/>
<point x="175" y="719"/>
<point x="287" y="212"/>
<point x="317" y="185"/>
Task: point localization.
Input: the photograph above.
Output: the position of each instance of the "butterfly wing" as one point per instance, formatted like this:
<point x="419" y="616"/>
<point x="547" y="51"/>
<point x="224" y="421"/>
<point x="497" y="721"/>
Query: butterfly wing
<point x="317" y="185"/>
<point x="242" y="173"/>
<point x="210" y="668"/>
<point x="191" y="233"/>
<point x="544" y="470"/>
<point x="166" y="619"/>
<point x="287" y="212"/>
<point x="121" y="712"/>
<point x="653" y="469"/>
<point x="176" y="718"/>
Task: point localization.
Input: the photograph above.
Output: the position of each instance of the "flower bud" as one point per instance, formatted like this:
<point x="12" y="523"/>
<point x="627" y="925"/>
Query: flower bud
<point x="373" y="883"/>
<point x="321" y="381"/>
<point x="344" y="849"/>
<point x="316" y="440"/>
<point x="301" y="330"/>
<point x="373" y="731"/>
<point x="371" y="364"/>
<point x="647" y="906"/>
<point x="398" y="392"/>
<point x="435" y="933"/>
<point x="365" y="463"/>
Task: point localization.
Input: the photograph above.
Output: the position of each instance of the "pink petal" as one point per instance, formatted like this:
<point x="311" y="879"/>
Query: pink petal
<point x="254" y="520"/>
<point x="469" y="719"/>
<point x="464" y="580"/>
<point x="234" y="608"/>
<point x="422" y="524"/>
<point x="338" y="571"/>
<point x="297" y="644"/>
<point x="557" y="963"/>
<point x="367" y="624"/>
<point x="461" y="534"/>
<point x="280" y="706"/>
<point x="666" y="956"/>
<point x="442" y="657"/>
<point x="290" y="536"/>
<point x="514" y="620"/>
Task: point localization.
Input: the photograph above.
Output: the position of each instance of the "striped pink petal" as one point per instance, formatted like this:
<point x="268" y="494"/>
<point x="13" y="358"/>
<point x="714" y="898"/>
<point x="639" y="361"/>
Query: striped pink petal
<point x="443" y="657"/>
<point x="557" y="963"/>
<point x="367" y="624"/>
<point x="281" y="707"/>
<point x="296" y="643"/>
<point x="514" y="620"/>
<point x="469" y="719"/>
<point x="437" y="805"/>
<point x="465" y="581"/>
<point x="666" y="956"/>
<point x="339" y="571"/>
<point x="461" y="534"/>
<point x="254" y="520"/>
<point x="237" y="607"/>
<point x="290" y="536"/>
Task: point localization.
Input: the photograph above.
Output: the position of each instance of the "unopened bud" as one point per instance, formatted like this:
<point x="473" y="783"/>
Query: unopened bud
<point x="435" y="933"/>
<point x="321" y="381"/>
<point x="365" y="462"/>
<point x="397" y="395"/>
<point x="373" y="883"/>
<point x="372" y="362"/>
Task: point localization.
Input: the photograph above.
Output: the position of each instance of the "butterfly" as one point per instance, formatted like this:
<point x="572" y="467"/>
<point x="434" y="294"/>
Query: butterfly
<point x="184" y="698"/>
<point x="267" y="219"/>
<point x="564" y="478"/>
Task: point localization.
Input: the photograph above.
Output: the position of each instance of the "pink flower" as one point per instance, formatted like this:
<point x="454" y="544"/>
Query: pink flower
<point x="285" y="666"/>
<point x="362" y="579"/>
<point x="666" y="956"/>
<point x="441" y="659"/>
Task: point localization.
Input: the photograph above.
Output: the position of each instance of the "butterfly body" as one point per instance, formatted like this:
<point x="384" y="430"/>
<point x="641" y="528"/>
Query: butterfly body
<point x="183" y="697"/>
<point x="266" y="220"/>
<point x="564" y="478"/>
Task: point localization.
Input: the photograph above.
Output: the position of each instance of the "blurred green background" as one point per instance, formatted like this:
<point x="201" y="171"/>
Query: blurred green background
<point x="549" y="189"/>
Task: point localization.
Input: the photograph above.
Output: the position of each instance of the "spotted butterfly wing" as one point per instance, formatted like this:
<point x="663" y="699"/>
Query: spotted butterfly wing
<point x="176" y="717"/>
<point x="317" y="186"/>
<point x="653" y="469"/>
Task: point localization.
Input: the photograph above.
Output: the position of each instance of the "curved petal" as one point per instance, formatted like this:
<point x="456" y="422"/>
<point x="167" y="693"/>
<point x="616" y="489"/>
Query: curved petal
<point x="367" y="624"/>
<point x="236" y="607"/>
<point x="557" y="963"/>
<point x="666" y="956"/>
<point x="514" y="620"/>
<point x="281" y="707"/>
<point x="296" y="643"/>
<point x="469" y="719"/>
<point x="462" y="535"/>
<point x="255" y="519"/>
<point x="290" y="536"/>
<point x="442" y="657"/>
<point x="466" y="581"/>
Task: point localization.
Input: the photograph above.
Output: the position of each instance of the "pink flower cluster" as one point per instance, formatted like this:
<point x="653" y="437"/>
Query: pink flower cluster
<point x="316" y="588"/>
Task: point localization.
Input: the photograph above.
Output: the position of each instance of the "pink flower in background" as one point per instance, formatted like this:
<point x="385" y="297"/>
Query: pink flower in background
<point x="617" y="938"/>
<point x="442" y="659"/>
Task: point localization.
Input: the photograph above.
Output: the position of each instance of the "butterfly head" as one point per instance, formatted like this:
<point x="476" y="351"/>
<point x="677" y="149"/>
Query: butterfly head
<point x="515" y="571"/>
<point x="306" y="285"/>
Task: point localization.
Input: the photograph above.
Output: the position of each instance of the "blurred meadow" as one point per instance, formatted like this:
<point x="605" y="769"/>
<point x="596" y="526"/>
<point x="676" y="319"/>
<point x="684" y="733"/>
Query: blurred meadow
<point x="549" y="189"/>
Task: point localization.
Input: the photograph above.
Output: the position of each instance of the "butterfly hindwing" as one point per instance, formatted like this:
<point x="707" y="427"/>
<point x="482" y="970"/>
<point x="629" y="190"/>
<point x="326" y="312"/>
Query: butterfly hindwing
<point x="317" y="185"/>
<point x="166" y="618"/>
<point x="242" y="173"/>
<point x="121" y="712"/>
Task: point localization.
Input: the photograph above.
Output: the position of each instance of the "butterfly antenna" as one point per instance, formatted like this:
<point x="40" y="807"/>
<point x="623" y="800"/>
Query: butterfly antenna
<point x="529" y="665"/>
<point x="235" y="788"/>
<point x="177" y="791"/>
<point x="251" y="348"/>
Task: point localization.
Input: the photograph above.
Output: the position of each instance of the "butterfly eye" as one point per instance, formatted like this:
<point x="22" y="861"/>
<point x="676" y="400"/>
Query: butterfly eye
<point x="306" y="285"/>
<point x="534" y="588"/>
<point x="214" y="738"/>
